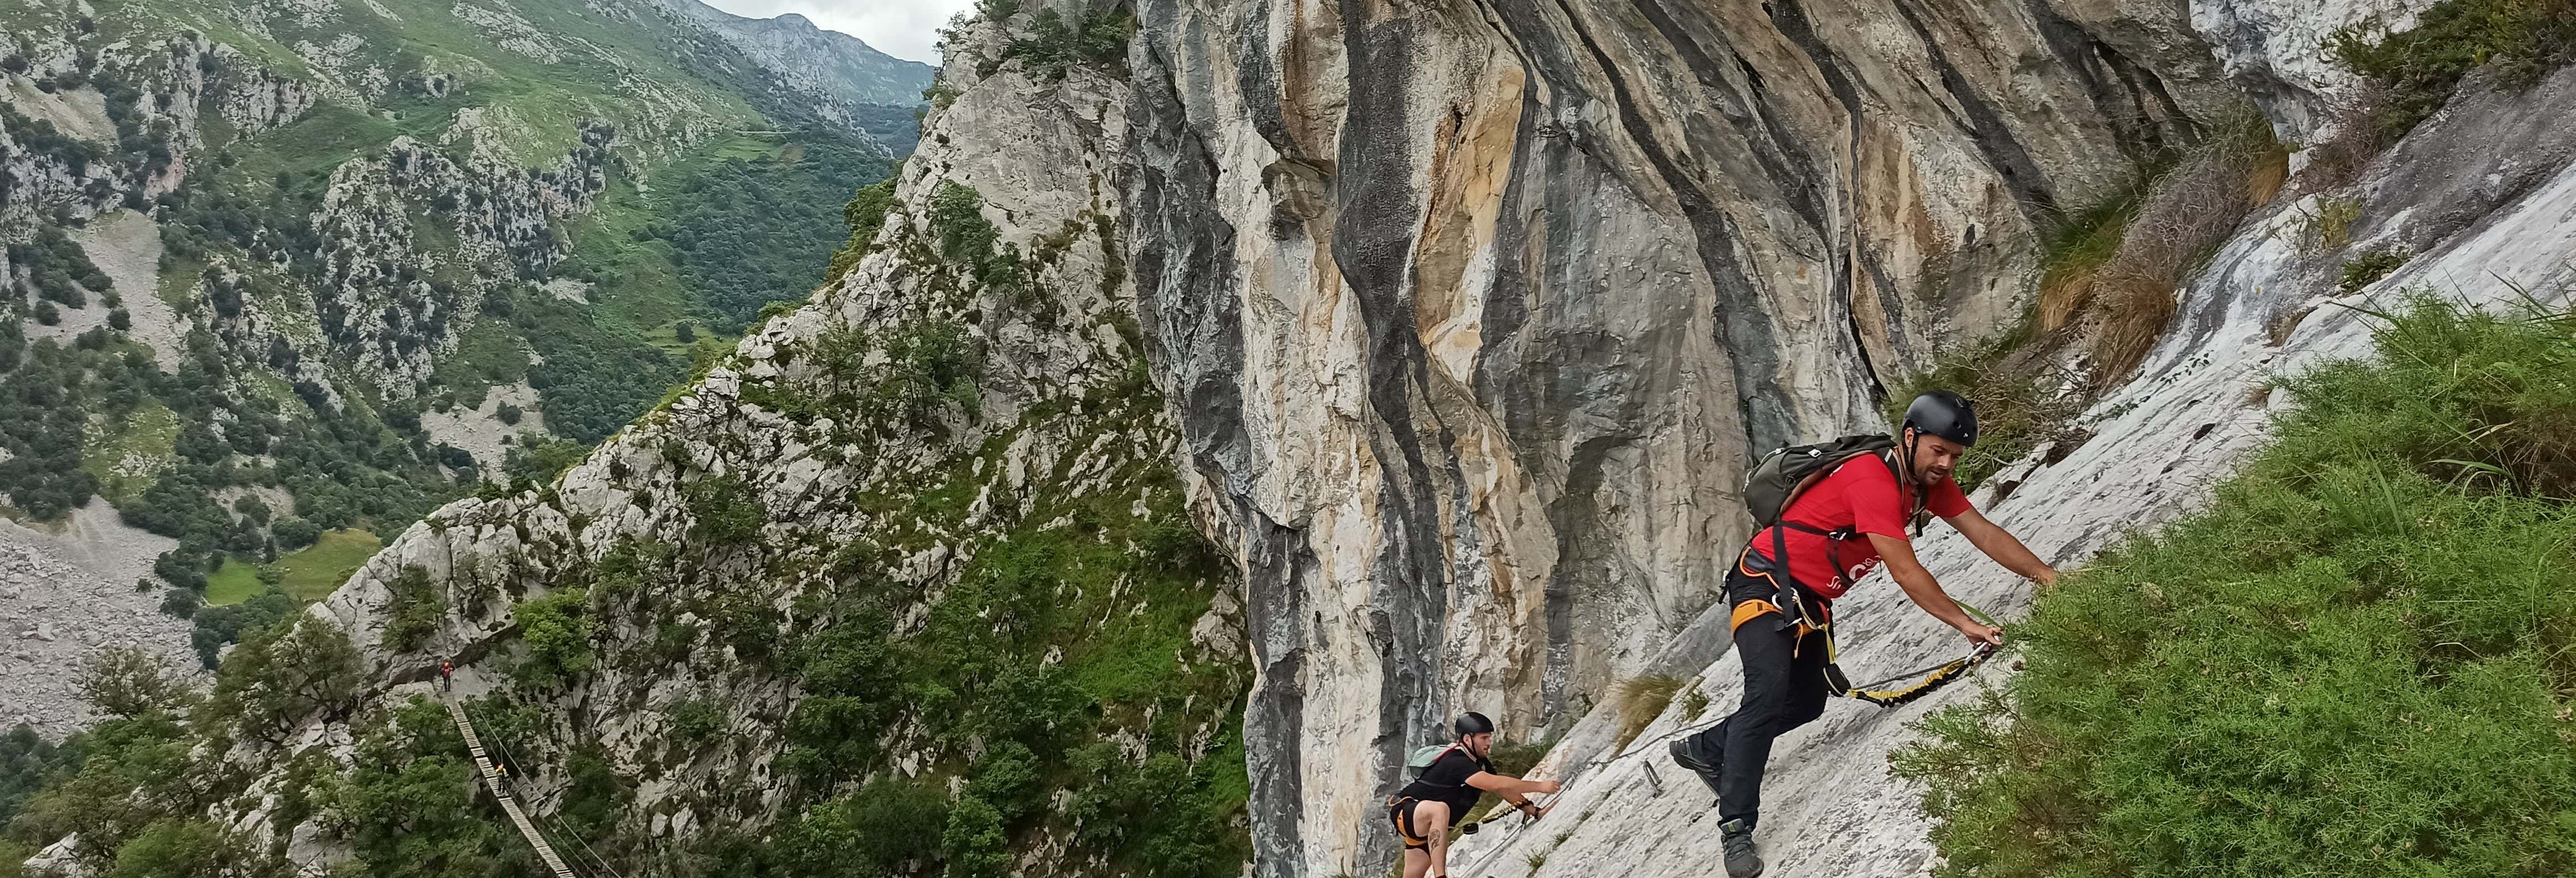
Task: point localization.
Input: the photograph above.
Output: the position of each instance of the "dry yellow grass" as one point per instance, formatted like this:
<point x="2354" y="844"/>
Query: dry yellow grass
<point x="1641" y="700"/>
<point x="2187" y="212"/>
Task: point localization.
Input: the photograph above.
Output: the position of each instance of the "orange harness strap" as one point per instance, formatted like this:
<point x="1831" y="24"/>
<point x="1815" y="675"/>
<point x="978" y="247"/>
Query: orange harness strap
<point x="1757" y="607"/>
<point x="1748" y="611"/>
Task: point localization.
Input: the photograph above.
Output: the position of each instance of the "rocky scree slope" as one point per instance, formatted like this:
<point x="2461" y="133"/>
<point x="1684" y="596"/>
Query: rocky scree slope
<point x="902" y="583"/>
<point x="277" y="271"/>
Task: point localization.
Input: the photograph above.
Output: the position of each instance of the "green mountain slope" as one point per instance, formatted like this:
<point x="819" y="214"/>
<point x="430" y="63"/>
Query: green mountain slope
<point x="281" y="269"/>
<point x="904" y="584"/>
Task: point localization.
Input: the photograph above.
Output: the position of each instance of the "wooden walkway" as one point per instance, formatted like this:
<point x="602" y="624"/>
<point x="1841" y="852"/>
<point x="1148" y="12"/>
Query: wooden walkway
<point x="509" y="803"/>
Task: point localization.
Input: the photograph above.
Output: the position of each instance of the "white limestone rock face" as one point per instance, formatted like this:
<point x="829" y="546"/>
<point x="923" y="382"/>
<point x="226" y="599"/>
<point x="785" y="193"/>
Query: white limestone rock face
<point x="1474" y="313"/>
<point x="2487" y="195"/>
<point x="2280" y="51"/>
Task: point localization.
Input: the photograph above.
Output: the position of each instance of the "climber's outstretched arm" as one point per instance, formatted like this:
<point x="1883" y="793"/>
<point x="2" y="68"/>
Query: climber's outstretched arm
<point x="2002" y="546"/>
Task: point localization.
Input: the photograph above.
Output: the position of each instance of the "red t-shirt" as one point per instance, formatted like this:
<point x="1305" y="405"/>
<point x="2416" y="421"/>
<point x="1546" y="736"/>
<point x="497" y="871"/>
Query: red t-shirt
<point x="1862" y="495"/>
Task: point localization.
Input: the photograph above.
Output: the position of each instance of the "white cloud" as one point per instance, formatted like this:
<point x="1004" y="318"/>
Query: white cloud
<point x="896" y="27"/>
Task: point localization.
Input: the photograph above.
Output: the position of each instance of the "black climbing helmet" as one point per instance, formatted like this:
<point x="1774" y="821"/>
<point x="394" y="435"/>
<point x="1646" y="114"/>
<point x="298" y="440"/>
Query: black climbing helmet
<point x="1944" y="414"/>
<point x="1473" y="723"/>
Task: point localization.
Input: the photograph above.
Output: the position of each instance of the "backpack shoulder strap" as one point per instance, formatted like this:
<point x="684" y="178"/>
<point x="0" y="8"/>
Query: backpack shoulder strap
<point x="1426" y="770"/>
<point x="1914" y="510"/>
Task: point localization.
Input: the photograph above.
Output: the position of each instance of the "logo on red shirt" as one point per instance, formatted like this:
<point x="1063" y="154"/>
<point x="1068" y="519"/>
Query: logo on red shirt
<point x="1861" y="495"/>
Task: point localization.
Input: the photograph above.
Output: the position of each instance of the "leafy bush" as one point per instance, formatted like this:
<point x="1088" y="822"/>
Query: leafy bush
<point x="128" y="682"/>
<point x="1054" y="45"/>
<point x="2371" y="265"/>
<point x="966" y="238"/>
<point x="28" y="763"/>
<point x="879" y="830"/>
<point x="217" y="626"/>
<point x="974" y="841"/>
<point x="414" y="610"/>
<point x="557" y="629"/>
<point x="411" y="805"/>
<point x="2355" y="657"/>
<point x="284" y="674"/>
<point x="2420" y="68"/>
<point x="726" y="510"/>
<point x="865" y="214"/>
<point x="696" y="720"/>
<point x="295" y="533"/>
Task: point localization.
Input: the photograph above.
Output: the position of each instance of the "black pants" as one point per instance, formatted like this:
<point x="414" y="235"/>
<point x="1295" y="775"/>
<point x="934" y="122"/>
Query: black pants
<point x="1784" y="688"/>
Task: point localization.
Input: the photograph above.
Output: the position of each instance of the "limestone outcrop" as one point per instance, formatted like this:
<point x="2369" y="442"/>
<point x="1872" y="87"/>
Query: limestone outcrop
<point x="1475" y="311"/>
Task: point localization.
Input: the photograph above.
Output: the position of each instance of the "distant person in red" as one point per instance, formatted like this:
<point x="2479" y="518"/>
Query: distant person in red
<point x="447" y="676"/>
<point x="1836" y="532"/>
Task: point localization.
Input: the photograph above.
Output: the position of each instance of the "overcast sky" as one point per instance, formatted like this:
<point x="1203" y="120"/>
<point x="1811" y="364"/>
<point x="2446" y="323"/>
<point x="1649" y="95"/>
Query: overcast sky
<point x="902" y="28"/>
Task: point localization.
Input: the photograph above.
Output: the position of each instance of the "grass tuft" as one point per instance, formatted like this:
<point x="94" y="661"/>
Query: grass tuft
<point x="2420" y="68"/>
<point x="2370" y="265"/>
<point x="2356" y="660"/>
<point x="1641" y="700"/>
<point x="2186" y="214"/>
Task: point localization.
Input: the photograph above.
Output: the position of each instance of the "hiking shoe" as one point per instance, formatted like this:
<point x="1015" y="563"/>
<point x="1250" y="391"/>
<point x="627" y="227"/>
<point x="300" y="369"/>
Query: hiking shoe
<point x="1688" y="757"/>
<point x="1741" y="860"/>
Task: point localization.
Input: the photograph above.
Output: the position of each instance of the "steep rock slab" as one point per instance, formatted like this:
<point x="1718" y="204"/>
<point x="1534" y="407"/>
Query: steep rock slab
<point x="1474" y="311"/>
<point x="2486" y="193"/>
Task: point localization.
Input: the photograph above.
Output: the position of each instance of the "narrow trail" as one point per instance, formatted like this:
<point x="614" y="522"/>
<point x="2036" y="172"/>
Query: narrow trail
<point x="509" y="803"/>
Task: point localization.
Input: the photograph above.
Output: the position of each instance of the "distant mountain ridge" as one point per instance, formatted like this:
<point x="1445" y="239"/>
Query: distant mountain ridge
<point x="817" y="60"/>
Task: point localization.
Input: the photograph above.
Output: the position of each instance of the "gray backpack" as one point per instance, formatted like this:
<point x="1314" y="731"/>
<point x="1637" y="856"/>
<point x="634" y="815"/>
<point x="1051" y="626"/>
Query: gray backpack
<point x="1420" y="760"/>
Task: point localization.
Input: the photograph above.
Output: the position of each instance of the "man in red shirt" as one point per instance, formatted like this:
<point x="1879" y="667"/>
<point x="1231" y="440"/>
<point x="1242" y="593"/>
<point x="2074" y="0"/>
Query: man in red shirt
<point x="1838" y="530"/>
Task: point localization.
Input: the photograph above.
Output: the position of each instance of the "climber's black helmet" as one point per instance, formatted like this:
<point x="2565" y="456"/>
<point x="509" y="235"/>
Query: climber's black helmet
<point x="1944" y="414"/>
<point x="1472" y="723"/>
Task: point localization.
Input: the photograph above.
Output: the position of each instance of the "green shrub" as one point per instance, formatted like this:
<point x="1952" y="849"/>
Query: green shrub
<point x="283" y="674"/>
<point x="1053" y="45"/>
<point x="415" y="610"/>
<point x="557" y="629"/>
<point x="878" y="830"/>
<point x="865" y="214"/>
<point x="189" y="848"/>
<point x="28" y="763"/>
<point x="726" y="510"/>
<point x="974" y="841"/>
<point x="2369" y="266"/>
<point x="2353" y="660"/>
<point x="696" y="720"/>
<point x="1007" y="777"/>
<point x="410" y="804"/>
<point x="2421" y="67"/>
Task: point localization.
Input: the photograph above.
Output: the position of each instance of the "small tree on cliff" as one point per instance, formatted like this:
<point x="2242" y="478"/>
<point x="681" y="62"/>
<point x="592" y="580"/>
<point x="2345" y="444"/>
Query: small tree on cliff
<point x="283" y="674"/>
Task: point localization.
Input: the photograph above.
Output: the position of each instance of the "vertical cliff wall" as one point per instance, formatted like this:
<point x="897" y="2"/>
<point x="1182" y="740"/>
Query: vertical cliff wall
<point x="1474" y="311"/>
